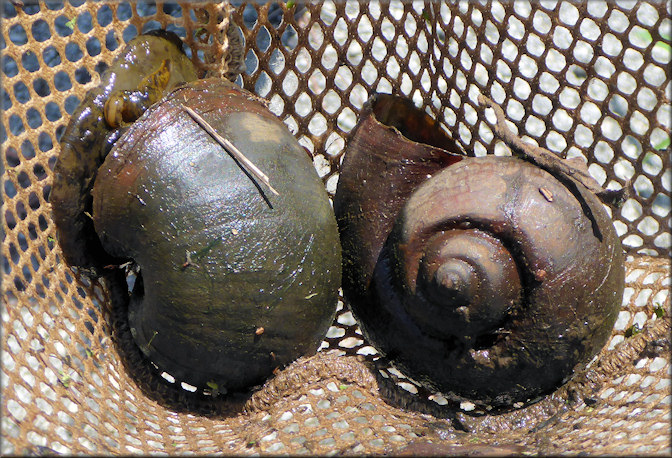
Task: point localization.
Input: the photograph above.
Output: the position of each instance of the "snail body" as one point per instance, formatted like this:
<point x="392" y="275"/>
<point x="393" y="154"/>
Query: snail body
<point x="124" y="106"/>
<point x="147" y="67"/>
<point x="234" y="281"/>
<point x="491" y="279"/>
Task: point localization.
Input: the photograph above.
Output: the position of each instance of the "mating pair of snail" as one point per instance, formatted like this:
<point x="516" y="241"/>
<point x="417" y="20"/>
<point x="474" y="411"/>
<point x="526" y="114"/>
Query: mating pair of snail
<point x="462" y="278"/>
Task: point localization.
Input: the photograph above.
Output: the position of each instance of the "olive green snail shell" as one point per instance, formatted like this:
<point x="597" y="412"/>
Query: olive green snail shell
<point x="488" y="278"/>
<point x="234" y="280"/>
<point x="222" y="259"/>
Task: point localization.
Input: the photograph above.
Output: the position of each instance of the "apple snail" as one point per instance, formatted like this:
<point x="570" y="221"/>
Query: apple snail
<point x="486" y="278"/>
<point x="236" y="278"/>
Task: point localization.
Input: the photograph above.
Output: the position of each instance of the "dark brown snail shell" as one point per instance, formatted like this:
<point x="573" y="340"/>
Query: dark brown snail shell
<point x="490" y="279"/>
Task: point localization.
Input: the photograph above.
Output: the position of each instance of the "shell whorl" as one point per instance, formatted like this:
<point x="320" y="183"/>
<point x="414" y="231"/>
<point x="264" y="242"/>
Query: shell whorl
<point x="466" y="280"/>
<point x="491" y="292"/>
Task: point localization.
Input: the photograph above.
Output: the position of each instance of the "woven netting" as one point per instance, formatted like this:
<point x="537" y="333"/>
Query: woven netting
<point x="586" y="80"/>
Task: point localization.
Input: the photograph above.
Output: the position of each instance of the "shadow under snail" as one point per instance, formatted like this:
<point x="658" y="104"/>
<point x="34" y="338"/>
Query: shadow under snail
<point x="235" y="281"/>
<point x="489" y="278"/>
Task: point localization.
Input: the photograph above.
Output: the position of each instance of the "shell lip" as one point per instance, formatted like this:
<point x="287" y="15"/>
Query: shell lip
<point x="167" y="35"/>
<point x="232" y="89"/>
<point x="403" y="117"/>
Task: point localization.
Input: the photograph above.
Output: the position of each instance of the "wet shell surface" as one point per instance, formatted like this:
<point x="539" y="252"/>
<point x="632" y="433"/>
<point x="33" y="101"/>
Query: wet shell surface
<point x="236" y="278"/>
<point x="220" y="255"/>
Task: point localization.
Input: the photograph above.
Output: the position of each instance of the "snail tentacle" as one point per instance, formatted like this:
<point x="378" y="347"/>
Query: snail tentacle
<point x="123" y="107"/>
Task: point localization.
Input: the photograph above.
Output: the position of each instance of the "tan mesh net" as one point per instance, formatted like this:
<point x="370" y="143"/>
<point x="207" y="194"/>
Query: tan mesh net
<point x="587" y="80"/>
